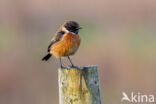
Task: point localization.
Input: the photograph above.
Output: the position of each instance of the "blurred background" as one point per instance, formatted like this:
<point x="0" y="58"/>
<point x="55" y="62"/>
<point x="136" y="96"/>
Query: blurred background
<point x="118" y="35"/>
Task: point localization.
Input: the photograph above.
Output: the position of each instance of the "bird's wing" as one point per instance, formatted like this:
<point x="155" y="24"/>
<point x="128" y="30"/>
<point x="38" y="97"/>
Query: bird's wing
<point x="56" y="38"/>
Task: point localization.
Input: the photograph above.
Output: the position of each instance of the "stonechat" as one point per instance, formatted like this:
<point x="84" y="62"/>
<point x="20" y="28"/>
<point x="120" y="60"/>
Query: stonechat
<point x="65" y="42"/>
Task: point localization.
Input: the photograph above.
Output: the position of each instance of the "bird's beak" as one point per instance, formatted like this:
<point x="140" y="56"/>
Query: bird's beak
<point x="79" y="28"/>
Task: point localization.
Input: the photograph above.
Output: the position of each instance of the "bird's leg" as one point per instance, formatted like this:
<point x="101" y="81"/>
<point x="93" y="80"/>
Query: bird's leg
<point x="61" y="63"/>
<point x="70" y="61"/>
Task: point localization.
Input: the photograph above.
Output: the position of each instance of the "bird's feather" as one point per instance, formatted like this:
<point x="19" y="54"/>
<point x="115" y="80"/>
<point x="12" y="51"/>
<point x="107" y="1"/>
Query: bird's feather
<point x="57" y="38"/>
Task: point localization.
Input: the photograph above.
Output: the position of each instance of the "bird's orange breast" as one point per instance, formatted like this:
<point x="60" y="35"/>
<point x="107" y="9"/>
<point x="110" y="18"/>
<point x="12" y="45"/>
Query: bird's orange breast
<point x="67" y="46"/>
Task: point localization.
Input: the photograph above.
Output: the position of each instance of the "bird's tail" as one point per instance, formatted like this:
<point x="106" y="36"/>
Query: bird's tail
<point x="45" y="58"/>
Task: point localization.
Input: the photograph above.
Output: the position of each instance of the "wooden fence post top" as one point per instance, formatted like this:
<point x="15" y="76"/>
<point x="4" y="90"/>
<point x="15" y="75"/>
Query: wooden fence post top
<point x="80" y="67"/>
<point x="79" y="85"/>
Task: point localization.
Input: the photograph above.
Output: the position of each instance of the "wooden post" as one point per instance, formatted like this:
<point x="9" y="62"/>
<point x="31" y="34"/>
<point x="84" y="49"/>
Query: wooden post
<point x="79" y="85"/>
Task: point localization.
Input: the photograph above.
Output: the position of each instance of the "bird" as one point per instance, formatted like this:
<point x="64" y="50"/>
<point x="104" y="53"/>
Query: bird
<point x="65" y="42"/>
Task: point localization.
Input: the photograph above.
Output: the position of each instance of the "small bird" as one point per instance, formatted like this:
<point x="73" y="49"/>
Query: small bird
<point x="65" y="42"/>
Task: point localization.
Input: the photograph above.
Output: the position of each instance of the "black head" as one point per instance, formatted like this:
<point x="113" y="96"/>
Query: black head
<point x="72" y="26"/>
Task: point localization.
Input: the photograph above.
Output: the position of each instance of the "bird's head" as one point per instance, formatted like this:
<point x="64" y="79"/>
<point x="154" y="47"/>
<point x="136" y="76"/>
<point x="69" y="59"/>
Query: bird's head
<point x="72" y="26"/>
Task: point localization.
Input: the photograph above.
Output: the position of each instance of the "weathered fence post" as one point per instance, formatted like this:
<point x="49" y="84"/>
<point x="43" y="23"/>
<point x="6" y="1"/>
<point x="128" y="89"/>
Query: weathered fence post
<point x="79" y="85"/>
